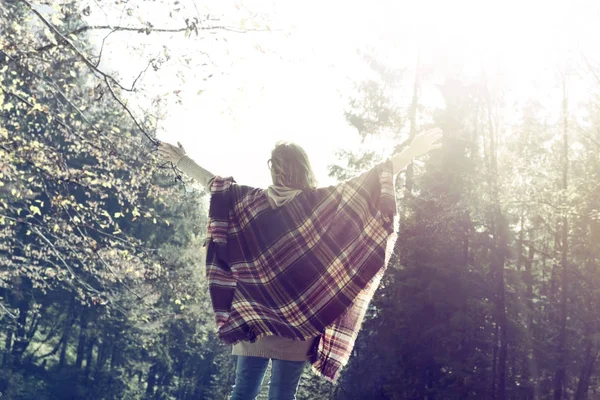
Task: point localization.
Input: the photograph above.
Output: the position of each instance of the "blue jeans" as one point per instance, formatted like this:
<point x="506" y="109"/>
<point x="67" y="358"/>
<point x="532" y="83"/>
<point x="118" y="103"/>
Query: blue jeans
<point x="250" y="372"/>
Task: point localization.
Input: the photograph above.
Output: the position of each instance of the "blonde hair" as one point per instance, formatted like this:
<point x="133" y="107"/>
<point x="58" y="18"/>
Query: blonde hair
<point x="290" y="167"/>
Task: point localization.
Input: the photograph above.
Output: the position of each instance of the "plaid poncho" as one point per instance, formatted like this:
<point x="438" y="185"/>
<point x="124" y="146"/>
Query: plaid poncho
<point x="308" y="268"/>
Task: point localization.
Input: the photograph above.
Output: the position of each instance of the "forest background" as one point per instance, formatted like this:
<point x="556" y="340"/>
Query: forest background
<point x="493" y="289"/>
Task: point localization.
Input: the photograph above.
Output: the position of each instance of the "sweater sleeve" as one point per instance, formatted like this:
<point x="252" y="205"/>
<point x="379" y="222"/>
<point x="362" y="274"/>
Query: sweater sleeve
<point x="193" y="170"/>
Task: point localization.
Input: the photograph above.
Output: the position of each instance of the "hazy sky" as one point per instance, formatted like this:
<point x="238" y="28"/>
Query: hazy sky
<point x="293" y="83"/>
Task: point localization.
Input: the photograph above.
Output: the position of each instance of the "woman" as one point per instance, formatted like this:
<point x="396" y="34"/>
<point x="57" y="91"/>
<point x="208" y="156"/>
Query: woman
<point x="292" y="268"/>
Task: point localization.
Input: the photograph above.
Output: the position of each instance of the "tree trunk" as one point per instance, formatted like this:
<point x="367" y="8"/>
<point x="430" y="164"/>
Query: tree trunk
<point x="586" y="370"/>
<point x="180" y="382"/>
<point x="21" y="343"/>
<point x="559" y="377"/>
<point x="151" y="381"/>
<point x="499" y="228"/>
<point x="69" y="321"/>
<point x="104" y="348"/>
<point x="114" y="358"/>
<point x="501" y="307"/>
<point x="7" y="347"/>
<point x="164" y="379"/>
<point x="82" y="338"/>
<point x="531" y="372"/>
<point x="89" y="358"/>
<point x="494" y="362"/>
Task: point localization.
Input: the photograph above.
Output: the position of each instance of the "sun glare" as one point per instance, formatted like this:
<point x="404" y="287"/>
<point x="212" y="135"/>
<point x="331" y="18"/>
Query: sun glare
<point x="294" y="82"/>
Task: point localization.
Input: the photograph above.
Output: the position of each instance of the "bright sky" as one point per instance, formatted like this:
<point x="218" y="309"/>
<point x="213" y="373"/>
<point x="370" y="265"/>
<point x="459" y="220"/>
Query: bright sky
<point x="293" y="83"/>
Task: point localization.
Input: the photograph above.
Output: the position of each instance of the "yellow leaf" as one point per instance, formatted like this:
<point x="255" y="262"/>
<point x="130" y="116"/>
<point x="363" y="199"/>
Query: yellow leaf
<point x="35" y="210"/>
<point x="177" y="301"/>
<point x="56" y="20"/>
<point x="118" y="215"/>
<point x="55" y="228"/>
<point x="117" y="231"/>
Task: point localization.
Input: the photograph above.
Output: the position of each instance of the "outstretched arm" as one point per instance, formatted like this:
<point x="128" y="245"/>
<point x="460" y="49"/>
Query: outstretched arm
<point x="421" y="144"/>
<point x="176" y="155"/>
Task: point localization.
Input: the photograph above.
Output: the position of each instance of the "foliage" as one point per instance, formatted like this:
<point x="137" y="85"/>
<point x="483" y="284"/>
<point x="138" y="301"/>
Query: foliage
<point x="491" y="293"/>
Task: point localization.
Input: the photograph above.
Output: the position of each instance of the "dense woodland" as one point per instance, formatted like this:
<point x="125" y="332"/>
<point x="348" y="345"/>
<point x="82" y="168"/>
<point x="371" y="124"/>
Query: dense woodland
<point x="493" y="290"/>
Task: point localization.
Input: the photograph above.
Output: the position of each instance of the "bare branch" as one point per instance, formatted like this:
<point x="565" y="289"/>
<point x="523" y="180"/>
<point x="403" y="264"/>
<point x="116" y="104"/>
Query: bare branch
<point x="63" y="39"/>
<point x="102" y="48"/>
<point x="150" y="29"/>
<point x="7" y="311"/>
<point x="141" y="73"/>
<point x="138" y="124"/>
<point x="62" y="260"/>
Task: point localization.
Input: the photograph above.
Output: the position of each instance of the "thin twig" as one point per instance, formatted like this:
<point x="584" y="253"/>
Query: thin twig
<point x="142" y="72"/>
<point x="102" y="48"/>
<point x="62" y="38"/>
<point x="62" y="260"/>
<point x="138" y="124"/>
<point x="7" y="311"/>
<point x="148" y="29"/>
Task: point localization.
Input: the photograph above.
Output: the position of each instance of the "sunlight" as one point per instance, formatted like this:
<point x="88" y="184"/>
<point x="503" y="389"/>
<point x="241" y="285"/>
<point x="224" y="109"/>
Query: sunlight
<point x="308" y="65"/>
<point x="131" y="271"/>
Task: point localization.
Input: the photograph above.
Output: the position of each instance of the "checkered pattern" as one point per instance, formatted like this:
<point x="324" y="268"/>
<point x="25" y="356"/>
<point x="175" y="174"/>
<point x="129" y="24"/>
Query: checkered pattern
<point x="308" y="268"/>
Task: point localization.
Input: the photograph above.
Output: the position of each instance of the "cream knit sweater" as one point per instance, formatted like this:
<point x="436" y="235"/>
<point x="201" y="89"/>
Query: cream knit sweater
<point x="268" y="346"/>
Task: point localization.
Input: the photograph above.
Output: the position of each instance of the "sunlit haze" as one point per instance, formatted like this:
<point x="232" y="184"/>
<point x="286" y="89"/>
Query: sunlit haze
<point x="293" y="82"/>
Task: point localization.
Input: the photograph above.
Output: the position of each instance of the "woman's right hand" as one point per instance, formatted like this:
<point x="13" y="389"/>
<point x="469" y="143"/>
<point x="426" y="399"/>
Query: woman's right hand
<point x="424" y="142"/>
<point x="171" y="153"/>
